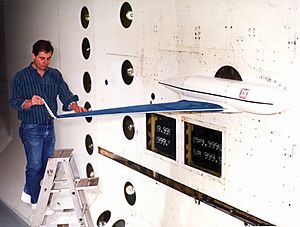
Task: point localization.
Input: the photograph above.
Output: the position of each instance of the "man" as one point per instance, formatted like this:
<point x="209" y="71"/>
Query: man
<point x="32" y="87"/>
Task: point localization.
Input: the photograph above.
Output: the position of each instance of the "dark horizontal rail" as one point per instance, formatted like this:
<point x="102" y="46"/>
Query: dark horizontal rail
<point x="224" y="207"/>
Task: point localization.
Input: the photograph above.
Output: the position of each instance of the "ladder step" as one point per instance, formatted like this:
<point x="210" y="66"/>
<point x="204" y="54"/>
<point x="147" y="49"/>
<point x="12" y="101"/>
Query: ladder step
<point x="61" y="225"/>
<point x="87" y="183"/>
<point x="69" y="210"/>
<point x="64" y="211"/>
<point x="62" y="153"/>
<point x="80" y="184"/>
<point x="65" y="181"/>
<point x="56" y="225"/>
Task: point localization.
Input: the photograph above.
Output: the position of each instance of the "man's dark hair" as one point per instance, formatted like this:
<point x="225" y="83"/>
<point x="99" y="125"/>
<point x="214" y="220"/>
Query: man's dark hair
<point x="42" y="45"/>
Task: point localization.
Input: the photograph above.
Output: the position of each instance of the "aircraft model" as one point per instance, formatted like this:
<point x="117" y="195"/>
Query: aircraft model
<point x="235" y="96"/>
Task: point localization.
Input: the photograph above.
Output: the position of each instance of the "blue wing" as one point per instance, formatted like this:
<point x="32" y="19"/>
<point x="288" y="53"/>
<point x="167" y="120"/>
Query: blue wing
<point x="179" y="106"/>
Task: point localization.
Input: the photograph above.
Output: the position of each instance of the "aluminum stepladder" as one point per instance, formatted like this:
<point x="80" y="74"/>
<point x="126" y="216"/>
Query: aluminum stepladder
<point x="75" y="186"/>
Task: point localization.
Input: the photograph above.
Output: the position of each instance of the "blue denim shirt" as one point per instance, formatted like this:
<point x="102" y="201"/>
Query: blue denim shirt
<point x="28" y="82"/>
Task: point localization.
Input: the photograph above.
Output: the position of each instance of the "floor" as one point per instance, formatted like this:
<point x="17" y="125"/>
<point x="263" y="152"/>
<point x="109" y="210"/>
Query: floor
<point x="9" y="218"/>
<point x="11" y="184"/>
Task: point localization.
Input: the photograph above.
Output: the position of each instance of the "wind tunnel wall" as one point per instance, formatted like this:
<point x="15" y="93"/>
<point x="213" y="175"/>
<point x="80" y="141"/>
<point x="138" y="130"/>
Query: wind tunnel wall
<point x="16" y="40"/>
<point x="12" y="160"/>
<point x="4" y="109"/>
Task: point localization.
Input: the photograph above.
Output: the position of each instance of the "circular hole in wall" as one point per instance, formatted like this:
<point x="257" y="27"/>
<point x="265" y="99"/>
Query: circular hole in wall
<point x="128" y="127"/>
<point x="87" y="83"/>
<point x="86" y="48"/>
<point x="126" y="15"/>
<point x="90" y="170"/>
<point x="85" y="17"/>
<point x="152" y="96"/>
<point x="106" y="82"/>
<point x="87" y="105"/>
<point x="127" y="72"/>
<point x="130" y="194"/>
<point x="103" y="218"/>
<point x="228" y="72"/>
<point x="89" y="144"/>
<point x="119" y="223"/>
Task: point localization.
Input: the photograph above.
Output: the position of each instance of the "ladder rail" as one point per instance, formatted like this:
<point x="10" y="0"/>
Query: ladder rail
<point x="47" y="184"/>
<point x="81" y="194"/>
<point x="73" y="193"/>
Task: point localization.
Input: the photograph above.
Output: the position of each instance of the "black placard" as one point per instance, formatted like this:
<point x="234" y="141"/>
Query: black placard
<point x="161" y="135"/>
<point x="203" y="148"/>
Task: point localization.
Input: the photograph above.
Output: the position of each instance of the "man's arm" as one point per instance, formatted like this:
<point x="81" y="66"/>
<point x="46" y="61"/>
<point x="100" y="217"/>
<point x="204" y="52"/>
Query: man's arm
<point x="66" y="96"/>
<point x="35" y="100"/>
<point x="16" y="100"/>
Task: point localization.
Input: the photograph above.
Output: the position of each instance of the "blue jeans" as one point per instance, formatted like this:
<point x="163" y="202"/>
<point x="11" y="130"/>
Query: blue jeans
<point x="39" y="141"/>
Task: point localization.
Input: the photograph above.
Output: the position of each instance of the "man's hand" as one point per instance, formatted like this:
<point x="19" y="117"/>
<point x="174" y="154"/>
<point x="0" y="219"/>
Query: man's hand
<point x="35" y="100"/>
<point x="77" y="108"/>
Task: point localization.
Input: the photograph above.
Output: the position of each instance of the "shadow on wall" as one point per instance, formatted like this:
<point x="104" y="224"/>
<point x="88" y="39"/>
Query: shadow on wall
<point x="4" y="88"/>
